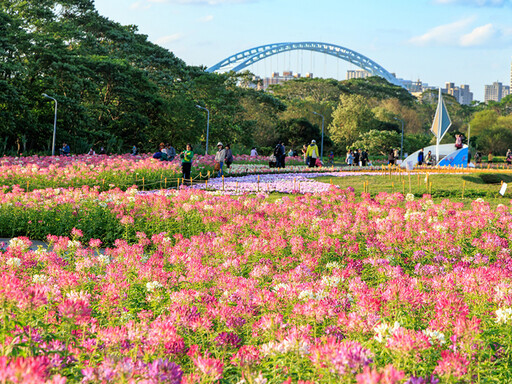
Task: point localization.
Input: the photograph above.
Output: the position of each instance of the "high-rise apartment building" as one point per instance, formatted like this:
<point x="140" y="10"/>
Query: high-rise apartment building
<point x="496" y="91"/>
<point x="462" y="94"/>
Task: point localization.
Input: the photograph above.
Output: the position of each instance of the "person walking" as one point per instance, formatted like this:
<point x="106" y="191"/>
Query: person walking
<point x="229" y="156"/>
<point x="220" y="157"/>
<point x="421" y="157"/>
<point x="312" y="153"/>
<point x="186" y="162"/>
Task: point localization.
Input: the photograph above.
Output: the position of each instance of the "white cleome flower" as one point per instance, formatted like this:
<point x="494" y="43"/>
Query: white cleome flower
<point x="434" y="336"/>
<point x="503" y="315"/>
<point x="13" y="262"/>
<point x="153" y="285"/>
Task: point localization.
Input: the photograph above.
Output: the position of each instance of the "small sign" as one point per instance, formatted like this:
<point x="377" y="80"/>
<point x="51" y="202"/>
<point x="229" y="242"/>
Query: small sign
<point x="503" y="189"/>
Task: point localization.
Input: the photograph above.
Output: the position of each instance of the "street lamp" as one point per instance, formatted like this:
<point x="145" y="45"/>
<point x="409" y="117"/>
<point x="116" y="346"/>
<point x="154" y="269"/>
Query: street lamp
<point x="322" y="142"/>
<point x="207" y="126"/>
<point x="54" y="123"/>
<point x="402" y="145"/>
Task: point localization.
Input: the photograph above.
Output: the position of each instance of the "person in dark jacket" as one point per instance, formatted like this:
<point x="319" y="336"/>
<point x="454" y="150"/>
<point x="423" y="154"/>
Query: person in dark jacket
<point x="357" y="157"/>
<point x="229" y="156"/>
<point x="421" y="157"/>
<point x="364" y="158"/>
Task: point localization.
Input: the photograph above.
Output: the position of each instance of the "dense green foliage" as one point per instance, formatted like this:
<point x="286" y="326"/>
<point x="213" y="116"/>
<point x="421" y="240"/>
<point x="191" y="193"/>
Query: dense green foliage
<point x="117" y="89"/>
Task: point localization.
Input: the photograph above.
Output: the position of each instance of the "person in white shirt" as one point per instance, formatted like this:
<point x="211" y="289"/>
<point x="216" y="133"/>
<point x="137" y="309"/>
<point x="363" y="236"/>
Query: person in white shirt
<point x="254" y="152"/>
<point x="220" y="156"/>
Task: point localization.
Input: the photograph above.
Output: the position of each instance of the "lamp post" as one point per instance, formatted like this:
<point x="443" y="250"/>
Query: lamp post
<point x="402" y="145"/>
<point x="322" y="142"/>
<point x="54" y="123"/>
<point x="207" y="126"/>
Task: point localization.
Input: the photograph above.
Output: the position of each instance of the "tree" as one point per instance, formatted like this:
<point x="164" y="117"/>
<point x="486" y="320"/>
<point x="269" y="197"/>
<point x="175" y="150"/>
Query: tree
<point x="351" y="118"/>
<point x="482" y="121"/>
<point x="495" y="139"/>
<point x="376" y="141"/>
<point x="297" y="132"/>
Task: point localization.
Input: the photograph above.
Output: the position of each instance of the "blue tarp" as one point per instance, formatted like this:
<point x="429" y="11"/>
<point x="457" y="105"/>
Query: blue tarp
<point x="458" y="158"/>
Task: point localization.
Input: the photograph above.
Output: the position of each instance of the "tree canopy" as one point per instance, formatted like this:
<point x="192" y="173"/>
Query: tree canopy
<point x="116" y="89"/>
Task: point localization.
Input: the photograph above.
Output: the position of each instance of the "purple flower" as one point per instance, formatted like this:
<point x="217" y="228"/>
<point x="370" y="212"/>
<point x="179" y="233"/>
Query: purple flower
<point x="164" y="371"/>
<point x="229" y="339"/>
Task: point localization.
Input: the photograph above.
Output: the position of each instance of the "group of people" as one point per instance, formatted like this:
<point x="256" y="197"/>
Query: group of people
<point x="165" y="152"/>
<point x="357" y="157"/>
<point x="428" y="160"/>
<point x="223" y="156"/>
<point x="66" y="150"/>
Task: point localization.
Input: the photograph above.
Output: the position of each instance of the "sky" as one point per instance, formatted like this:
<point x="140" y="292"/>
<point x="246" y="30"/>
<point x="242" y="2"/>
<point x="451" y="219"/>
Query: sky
<point x="435" y="41"/>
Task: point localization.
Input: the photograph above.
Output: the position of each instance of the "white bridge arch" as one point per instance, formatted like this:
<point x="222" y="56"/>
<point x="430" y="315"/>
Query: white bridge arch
<point x="243" y="59"/>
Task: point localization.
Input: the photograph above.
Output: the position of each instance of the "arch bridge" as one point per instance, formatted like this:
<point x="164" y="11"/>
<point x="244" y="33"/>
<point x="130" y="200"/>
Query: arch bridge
<point x="243" y="59"/>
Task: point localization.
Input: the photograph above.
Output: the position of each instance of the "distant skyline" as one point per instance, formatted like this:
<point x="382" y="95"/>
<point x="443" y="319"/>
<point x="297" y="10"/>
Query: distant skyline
<point x="436" y="41"/>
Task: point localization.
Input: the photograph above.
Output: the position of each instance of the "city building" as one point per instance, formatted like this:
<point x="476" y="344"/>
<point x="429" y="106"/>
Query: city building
<point x="357" y="74"/>
<point x="275" y="78"/>
<point x="462" y="94"/>
<point x="496" y="91"/>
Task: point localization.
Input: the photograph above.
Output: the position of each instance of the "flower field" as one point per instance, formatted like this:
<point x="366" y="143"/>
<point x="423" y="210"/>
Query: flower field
<point x="121" y="171"/>
<point x="196" y="287"/>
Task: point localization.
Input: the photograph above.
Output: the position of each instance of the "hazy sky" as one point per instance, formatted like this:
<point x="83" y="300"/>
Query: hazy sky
<point x="436" y="41"/>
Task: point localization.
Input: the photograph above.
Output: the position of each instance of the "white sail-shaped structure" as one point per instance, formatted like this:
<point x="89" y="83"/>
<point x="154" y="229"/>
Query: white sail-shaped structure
<point x="441" y="123"/>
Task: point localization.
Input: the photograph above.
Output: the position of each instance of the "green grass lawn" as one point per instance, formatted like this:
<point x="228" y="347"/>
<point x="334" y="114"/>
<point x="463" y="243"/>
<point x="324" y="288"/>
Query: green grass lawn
<point x="475" y="185"/>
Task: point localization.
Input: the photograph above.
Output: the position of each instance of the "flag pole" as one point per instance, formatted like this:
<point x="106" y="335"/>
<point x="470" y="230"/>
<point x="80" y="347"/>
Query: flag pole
<point x="439" y="101"/>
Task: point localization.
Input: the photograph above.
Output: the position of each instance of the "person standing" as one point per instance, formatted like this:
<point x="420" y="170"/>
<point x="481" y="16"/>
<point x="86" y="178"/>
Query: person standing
<point x="254" y="152"/>
<point x="364" y="158"/>
<point x="508" y="157"/>
<point x="290" y="153"/>
<point x="283" y="155"/>
<point x="186" y="162"/>
<point x="312" y="153"/>
<point x="357" y="157"/>
<point x="458" y="141"/>
<point x="391" y="157"/>
<point x="220" y="157"/>
<point x="278" y="153"/>
<point x="229" y="156"/>
<point x="135" y="151"/>
<point x="421" y="157"/>
<point x="304" y="151"/>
